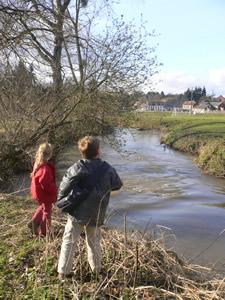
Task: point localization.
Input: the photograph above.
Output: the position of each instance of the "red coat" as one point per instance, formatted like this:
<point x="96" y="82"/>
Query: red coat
<point x="43" y="185"/>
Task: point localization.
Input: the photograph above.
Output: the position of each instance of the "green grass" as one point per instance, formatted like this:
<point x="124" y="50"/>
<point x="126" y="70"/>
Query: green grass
<point x="207" y="124"/>
<point x="134" y="265"/>
<point x="201" y="135"/>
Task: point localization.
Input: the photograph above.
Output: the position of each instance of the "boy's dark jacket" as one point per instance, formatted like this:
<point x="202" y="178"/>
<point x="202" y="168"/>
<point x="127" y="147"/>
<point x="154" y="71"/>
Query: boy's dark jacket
<point x="92" y="210"/>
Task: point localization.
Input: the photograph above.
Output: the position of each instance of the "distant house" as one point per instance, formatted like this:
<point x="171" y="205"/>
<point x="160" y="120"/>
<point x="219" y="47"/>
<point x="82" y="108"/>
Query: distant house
<point x="173" y="106"/>
<point x="156" y="107"/>
<point x="188" y="105"/>
<point x="220" y="99"/>
<point x="143" y="107"/>
<point x="218" y="105"/>
<point x="222" y="107"/>
<point x="202" y="108"/>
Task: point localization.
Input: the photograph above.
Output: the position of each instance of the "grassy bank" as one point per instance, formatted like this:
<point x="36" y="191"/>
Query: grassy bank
<point x="135" y="266"/>
<point x="201" y="135"/>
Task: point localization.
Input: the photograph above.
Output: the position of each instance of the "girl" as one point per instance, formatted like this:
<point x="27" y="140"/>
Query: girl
<point x="43" y="189"/>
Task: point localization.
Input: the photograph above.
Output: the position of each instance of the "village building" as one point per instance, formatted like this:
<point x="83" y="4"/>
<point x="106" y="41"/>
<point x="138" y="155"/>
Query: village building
<point x="143" y="107"/>
<point x="220" y="106"/>
<point x="156" y="107"/>
<point x="168" y="104"/>
<point x="220" y="99"/>
<point x="173" y="106"/>
<point x="188" y="105"/>
<point x="202" y="108"/>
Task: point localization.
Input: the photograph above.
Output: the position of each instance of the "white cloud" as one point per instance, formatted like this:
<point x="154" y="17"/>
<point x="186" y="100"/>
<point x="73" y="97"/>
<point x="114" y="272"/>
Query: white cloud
<point x="217" y="77"/>
<point x="179" y="82"/>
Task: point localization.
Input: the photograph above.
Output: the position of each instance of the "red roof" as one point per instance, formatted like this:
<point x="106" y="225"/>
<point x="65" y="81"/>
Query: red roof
<point x="143" y="105"/>
<point x="189" y="103"/>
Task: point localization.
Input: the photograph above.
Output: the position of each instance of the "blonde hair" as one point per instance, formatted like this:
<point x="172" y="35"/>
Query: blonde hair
<point x="88" y="146"/>
<point x="43" y="154"/>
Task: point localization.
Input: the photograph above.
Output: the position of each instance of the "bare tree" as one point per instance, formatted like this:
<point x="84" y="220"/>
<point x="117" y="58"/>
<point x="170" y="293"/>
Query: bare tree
<point x="58" y="34"/>
<point x="36" y="30"/>
<point x="87" y="66"/>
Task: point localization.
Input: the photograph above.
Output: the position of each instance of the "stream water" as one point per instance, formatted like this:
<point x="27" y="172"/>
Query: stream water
<point x="165" y="189"/>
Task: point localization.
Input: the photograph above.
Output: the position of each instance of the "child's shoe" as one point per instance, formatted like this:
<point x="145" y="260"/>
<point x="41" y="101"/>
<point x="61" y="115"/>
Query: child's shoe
<point x="62" y="276"/>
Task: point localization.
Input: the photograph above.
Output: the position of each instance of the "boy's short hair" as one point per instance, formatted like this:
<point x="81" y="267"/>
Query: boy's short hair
<point x="88" y="146"/>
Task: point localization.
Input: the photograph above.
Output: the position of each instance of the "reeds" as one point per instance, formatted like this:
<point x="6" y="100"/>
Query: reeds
<point x="135" y="265"/>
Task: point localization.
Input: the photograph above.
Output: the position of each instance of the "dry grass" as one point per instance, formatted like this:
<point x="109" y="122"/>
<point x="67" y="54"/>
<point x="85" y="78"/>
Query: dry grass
<point x="134" y="265"/>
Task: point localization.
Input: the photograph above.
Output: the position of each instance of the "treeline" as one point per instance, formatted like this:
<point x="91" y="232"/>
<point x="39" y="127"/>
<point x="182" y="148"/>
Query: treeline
<point x="197" y="94"/>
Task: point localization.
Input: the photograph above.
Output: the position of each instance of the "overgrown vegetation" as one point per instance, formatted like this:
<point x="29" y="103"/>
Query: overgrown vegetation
<point x="201" y="135"/>
<point x="62" y="76"/>
<point x="135" y="265"/>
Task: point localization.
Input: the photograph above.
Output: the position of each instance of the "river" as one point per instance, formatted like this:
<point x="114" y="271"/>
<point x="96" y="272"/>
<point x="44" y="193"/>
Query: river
<point x="165" y="190"/>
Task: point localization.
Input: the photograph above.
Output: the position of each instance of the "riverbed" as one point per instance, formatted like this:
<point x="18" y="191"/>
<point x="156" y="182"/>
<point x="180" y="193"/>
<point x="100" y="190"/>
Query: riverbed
<point x="167" y="192"/>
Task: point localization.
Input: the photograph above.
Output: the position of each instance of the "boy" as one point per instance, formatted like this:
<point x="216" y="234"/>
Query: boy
<point x="91" y="211"/>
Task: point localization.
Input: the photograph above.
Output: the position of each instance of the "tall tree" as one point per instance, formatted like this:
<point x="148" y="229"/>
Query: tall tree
<point x="204" y="92"/>
<point x="195" y="94"/>
<point x="86" y="64"/>
<point x="188" y="94"/>
<point x="60" y="34"/>
<point x="36" y="31"/>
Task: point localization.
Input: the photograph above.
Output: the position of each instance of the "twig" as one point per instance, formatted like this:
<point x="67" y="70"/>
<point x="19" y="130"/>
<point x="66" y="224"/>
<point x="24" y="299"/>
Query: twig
<point x="19" y="191"/>
<point x="136" y="266"/>
<point x="207" y="247"/>
<point x="214" y="294"/>
<point x="159" y="290"/>
<point x="125" y="248"/>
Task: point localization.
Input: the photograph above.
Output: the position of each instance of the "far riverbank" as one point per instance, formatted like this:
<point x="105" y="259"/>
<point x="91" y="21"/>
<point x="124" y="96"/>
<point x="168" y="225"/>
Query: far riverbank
<point x="203" y="136"/>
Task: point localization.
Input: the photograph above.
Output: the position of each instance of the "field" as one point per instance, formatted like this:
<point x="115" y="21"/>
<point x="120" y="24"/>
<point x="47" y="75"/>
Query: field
<point x="201" y="135"/>
<point x="134" y="265"/>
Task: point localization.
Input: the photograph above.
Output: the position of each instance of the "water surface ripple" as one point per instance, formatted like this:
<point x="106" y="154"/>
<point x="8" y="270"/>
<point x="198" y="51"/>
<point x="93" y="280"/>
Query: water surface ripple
<point x="165" y="187"/>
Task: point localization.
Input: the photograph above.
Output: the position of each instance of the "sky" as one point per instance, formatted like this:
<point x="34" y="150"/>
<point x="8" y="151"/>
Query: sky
<point x="191" y="42"/>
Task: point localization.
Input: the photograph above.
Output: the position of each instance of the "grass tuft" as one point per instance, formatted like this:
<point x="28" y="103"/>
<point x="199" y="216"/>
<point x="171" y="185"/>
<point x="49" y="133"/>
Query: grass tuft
<point x="134" y="264"/>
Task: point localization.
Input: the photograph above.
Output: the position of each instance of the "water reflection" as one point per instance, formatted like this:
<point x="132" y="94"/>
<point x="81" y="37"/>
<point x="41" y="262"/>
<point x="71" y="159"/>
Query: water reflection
<point x="166" y="187"/>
